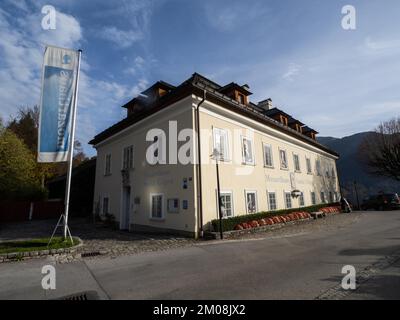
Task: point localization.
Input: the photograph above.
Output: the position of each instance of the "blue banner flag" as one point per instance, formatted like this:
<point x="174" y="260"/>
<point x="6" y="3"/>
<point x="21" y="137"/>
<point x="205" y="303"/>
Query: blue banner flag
<point x="60" y="71"/>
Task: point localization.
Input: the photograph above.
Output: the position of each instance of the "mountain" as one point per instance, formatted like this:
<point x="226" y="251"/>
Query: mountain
<point x="351" y="168"/>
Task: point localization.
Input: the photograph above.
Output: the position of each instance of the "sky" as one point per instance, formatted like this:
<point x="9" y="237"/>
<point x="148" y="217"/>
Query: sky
<point x="337" y="81"/>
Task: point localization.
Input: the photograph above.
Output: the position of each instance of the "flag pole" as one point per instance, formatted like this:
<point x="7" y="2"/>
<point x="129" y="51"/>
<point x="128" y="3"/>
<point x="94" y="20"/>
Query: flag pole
<point x="71" y="148"/>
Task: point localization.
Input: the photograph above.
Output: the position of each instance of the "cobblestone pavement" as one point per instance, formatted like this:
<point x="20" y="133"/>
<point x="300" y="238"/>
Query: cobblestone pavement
<point x="100" y="240"/>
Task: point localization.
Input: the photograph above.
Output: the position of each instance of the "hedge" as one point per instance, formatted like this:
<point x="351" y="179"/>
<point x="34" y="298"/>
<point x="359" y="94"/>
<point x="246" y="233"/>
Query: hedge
<point x="229" y="224"/>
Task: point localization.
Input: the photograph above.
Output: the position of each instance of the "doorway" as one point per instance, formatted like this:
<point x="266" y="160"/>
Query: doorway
<point x="126" y="205"/>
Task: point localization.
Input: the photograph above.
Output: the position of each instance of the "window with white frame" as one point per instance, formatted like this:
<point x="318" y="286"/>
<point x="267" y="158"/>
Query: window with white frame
<point x="247" y="151"/>
<point x="106" y="204"/>
<point x="272" y="201"/>
<point x="283" y="159"/>
<point x="318" y="167"/>
<point x="268" y="160"/>
<point x="333" y="173"/>
<point x="221" y="145"/>
<point x="323" y="197"/>
<point x="251" y="202"/>
<point x="296" y="162"/>
<point x="226" y="204"/>
<point x="173" y="205"/>
<point x="127" y="158"/>
<point x="301" y="200"/>
<point x="313" y="198"/>
<point x="288" y="200"/>
<point x="157" y="206"/>
<point x="331" y="197"/>
<point x="308" y="163"/>
<point x="107" y="165"/>
<point x="335" y="196"/>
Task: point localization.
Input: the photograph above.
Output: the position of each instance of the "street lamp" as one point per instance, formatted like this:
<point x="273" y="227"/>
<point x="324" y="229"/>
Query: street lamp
<point x="216" y="154"/>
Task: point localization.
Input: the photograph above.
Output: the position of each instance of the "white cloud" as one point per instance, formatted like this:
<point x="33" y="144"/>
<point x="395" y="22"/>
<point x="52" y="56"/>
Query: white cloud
<point x="122" y="38"/>
<point x="137" y="13"/>
<point x="235" y="15"/>
<point x="292" y="71"/>
<point x="22" y="44"/>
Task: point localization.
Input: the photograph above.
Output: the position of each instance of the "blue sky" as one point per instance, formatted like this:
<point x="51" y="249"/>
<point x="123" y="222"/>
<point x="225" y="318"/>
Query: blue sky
<point x="296" y="52"/>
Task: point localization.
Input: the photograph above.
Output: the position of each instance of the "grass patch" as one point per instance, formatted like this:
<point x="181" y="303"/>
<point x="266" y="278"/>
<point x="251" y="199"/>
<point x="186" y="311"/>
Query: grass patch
<point x="36" y="245"/>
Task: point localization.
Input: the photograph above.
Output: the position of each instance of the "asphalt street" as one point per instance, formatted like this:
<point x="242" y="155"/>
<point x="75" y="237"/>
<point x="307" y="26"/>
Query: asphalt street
<point x="300" y="265"/>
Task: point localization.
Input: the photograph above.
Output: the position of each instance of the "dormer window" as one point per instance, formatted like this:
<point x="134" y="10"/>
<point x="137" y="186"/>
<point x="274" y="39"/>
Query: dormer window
<point x="235" y="92"/>
<point x="240" y="98"/>
<point x="284" y="120"/>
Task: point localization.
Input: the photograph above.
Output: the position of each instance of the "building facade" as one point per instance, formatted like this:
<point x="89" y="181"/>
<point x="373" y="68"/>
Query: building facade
<point x="157" y="170"/>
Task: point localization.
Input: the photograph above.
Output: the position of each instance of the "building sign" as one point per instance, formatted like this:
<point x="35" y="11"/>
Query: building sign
<point x="60" y="69"/>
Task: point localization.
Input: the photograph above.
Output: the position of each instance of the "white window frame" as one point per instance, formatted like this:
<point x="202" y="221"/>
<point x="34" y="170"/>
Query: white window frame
<point x="301" y="197"/>
<point x="174" y="209"/>
<point x="162" y="206"/>
<point x="246" y="192"/>
<point x="222" y="193"/>
<point x="308" y="165"/>
<point x="107" y="173"/>
<point x="225" y="157"/>
<point x="298" y="162"/>
<point x="252" y="162"/>
<point x="313" y="199"/>
<point x="129" y="167"/>
<point x="280" y="159"/>
<point x="285" y="193"/>
<point x="269" y="200"/>
<point x="322" y="196"/>
<point x="318" y="167"/>
<point x="266" y="145"/>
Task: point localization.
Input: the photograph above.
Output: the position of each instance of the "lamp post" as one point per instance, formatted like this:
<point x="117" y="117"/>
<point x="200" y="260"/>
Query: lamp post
<point x="216" y="154"/>
<point x="358" y="201"/>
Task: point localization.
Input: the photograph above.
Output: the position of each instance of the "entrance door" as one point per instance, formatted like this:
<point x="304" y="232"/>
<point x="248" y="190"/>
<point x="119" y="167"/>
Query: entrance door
<point x="126" y="205"/>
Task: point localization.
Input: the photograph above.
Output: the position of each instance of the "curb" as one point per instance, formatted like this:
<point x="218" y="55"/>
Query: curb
<point x="28" y="255"/>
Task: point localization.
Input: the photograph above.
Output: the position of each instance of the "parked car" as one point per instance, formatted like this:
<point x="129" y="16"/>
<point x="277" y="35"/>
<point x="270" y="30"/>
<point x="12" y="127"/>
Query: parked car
<point x="386" y="201"/>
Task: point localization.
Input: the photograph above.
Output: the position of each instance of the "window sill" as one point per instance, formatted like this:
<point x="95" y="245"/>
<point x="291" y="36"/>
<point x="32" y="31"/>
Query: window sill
<point x="285" y="169"/>
<point x="107" y="174"/>
<point x="248" y="164"/>
<point x="157" y="219"/>
<point x="269" y="167"/>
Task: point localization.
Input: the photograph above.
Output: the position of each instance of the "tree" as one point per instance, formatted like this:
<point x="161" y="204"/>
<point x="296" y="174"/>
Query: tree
<point x="18" y="174"/>
<point x="26" y="126"/>
<point x="381" y="150"/>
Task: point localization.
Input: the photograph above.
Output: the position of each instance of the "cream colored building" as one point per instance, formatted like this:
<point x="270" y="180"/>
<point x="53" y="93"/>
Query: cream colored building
<point x="267" y="159"/>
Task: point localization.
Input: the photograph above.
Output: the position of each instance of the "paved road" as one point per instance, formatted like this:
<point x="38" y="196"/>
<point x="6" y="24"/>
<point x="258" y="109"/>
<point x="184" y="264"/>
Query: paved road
<point x="300" y="265"/>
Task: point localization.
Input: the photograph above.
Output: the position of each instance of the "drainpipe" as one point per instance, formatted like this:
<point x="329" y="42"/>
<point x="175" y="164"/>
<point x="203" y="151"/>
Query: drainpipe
<point x="199" y="164"/>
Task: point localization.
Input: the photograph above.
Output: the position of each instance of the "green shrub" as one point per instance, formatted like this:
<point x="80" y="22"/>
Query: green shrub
<point x="229" y="224"/>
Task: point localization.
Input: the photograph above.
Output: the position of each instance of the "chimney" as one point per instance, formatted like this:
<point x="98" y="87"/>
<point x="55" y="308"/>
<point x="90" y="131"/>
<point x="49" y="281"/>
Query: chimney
<point x="266" y="104"/>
